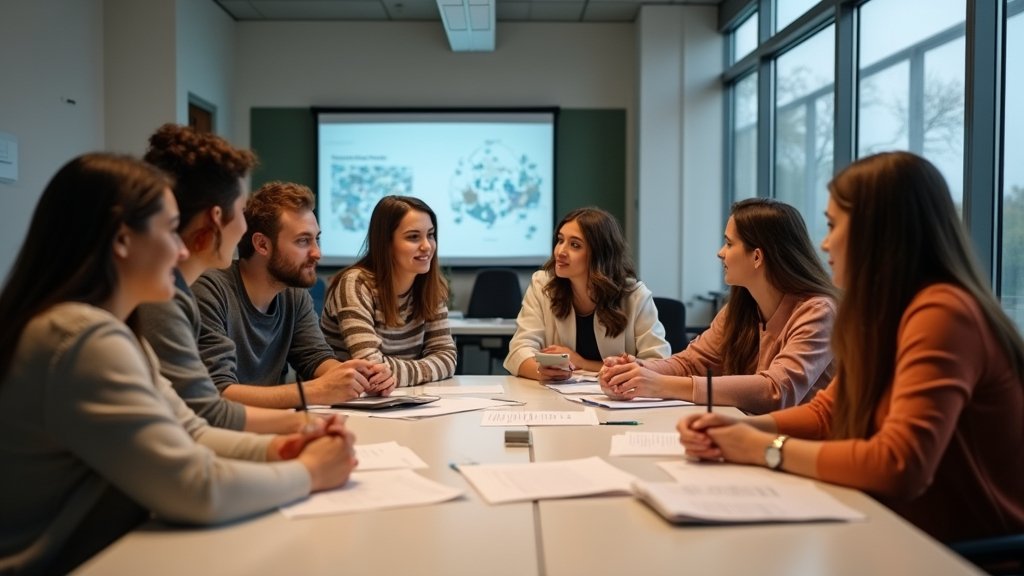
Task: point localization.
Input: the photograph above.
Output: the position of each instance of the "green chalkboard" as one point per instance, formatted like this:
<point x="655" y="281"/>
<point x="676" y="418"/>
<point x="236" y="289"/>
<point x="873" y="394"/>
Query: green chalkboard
<point x="590" y="153"/>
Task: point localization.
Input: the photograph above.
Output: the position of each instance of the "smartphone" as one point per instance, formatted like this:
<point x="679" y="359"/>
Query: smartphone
<point x="552" y="360"/>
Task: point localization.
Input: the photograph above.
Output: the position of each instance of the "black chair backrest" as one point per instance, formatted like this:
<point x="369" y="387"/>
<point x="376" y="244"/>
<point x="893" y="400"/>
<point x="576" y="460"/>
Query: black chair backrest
<point x="496" y="294"/>
<point x="672" y="314"/>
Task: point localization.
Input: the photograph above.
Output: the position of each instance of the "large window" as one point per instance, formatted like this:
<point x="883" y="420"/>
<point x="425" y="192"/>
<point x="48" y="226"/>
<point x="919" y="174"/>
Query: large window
<point x="912" y="82"/>
<point x="804" y="113"/>
<point x="1013" y="169"/>
<point x="786" y="11"/>
<point x="744" y="39"/>
<point x="744" y="138"/>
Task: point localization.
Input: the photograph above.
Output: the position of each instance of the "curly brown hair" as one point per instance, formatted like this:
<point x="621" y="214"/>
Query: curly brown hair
<point x="264" y="208"/>
<point x="207" y="169"/>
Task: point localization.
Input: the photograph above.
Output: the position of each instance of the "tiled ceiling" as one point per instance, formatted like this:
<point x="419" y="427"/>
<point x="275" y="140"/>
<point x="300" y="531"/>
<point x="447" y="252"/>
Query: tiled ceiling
<point x="406" y="10"/>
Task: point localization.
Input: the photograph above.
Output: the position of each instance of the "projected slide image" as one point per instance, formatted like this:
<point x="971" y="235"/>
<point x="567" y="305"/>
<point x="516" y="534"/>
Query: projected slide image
<point x="494" y="182"/>
<point x="356" y="188"/>
<point x="488" y="179"/>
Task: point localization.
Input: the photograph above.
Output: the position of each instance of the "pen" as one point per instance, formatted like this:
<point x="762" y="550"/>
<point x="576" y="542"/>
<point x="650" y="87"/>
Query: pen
<point x="709" y="391"/>
<point x="309" y="426"/>
<point x="621" y="423"/>
<point x="519" y="402"/>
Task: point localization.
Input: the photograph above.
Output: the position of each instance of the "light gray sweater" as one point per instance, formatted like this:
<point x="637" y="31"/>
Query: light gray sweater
<point x="83" y="405"/>
<point x="172" y="329"/>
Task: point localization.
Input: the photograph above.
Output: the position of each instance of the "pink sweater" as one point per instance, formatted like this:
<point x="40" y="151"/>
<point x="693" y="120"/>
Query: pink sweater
<point x="947" y="449"/>
<point x="794" y="360"/>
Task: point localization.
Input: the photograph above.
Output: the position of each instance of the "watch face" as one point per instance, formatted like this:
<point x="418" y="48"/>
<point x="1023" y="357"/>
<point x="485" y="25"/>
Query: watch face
<point x="772" y="457"/>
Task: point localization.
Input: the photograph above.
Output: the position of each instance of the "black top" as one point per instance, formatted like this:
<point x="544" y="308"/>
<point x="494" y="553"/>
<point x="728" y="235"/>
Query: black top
<point x="586" y="340"/>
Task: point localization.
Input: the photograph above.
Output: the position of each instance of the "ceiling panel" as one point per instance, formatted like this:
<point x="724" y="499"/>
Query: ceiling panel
<point x="611" y="11"/>
<point x="321" y="9"/>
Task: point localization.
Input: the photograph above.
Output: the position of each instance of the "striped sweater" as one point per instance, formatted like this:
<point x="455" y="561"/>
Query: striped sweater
<point x="353" y="324"/>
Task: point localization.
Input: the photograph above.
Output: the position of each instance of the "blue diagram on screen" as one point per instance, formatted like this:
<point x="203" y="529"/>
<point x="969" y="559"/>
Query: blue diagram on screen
<point x="356" y="188"/>
<point x="493" y="183"/>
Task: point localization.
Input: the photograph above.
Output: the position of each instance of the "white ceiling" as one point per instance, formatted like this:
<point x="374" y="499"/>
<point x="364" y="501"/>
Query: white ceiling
<point x="399" y="10"/>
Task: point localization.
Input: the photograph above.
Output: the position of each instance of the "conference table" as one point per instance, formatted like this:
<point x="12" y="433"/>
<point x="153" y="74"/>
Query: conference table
<point x="590" y="536"/>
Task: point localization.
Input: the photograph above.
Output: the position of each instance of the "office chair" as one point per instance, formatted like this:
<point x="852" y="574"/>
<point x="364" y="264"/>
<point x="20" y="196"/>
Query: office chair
<point x="496" y="294"/>
<point x="672" y="314"/>
<point x="1002" y="555"/>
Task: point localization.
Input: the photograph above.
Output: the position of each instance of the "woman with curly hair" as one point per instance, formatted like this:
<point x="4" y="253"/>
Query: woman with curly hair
<point x="585" y="302"/>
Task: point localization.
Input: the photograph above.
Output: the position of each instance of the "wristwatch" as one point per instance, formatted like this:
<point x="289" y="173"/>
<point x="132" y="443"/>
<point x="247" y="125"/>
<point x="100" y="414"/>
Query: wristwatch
<point x="773" y="453"/>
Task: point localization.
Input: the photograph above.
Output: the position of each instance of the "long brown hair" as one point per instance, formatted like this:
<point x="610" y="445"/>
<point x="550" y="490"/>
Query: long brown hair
<point x="612" y="273"/>
<point x="67" y="255"/>
<point x="904" y="235"/>
<point x="792" y="266"/>
<point x="207" y="171"/>
<point x="429" y="290"/>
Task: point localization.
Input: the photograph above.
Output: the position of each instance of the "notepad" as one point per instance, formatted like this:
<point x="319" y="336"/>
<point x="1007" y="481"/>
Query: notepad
<point x="586" y="417"/>
<point x="373" y="491"/>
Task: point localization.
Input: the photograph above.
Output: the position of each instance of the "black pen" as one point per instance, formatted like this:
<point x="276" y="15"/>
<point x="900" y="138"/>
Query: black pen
<point x="309" y="427"/>
<point x="620" y="423"/>
<point x="709" y="391"/>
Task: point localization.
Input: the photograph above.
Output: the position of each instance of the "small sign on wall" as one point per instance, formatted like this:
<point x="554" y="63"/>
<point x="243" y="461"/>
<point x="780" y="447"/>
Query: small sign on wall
<point x="8" y="157"/>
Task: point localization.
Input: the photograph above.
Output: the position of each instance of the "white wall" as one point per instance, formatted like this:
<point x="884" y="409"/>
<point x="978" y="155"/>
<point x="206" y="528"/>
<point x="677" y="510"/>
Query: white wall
<point x="53" y="53"/>
<point x="205" y="61"/>
<point x="679" y="119"/>
<point x="141" y="76"/>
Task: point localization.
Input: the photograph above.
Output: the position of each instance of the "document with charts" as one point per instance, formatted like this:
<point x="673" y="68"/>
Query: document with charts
<point x="728" y="493"/>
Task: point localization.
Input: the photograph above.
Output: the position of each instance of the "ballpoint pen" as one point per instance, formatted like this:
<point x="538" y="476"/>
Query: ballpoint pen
<point x="709" y="391"/>
<point x="621" y="423"/>
<point x="309" y="426"/>
<point x="510" y="401"/>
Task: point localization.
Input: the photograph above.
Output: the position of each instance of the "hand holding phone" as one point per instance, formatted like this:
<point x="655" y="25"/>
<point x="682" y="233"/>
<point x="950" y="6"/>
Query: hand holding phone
<point x="559" y="361"/>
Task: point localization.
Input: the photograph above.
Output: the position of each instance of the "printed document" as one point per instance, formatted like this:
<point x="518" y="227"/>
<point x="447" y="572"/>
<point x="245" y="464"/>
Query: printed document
<point x="728" y="493"/>
<point x="646" y="444"/>
<point x="373" y="491"/>
<point x="503" y="483"/>
<point x="575" y="388"/>
<point x="586" y="417"/>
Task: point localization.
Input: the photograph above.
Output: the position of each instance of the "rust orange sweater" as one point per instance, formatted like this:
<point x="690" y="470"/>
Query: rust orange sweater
<point x="947" y="453"/>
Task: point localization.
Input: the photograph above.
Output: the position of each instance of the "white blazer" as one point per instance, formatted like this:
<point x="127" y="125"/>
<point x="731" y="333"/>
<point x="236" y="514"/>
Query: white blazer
<point x="537" y="327"/>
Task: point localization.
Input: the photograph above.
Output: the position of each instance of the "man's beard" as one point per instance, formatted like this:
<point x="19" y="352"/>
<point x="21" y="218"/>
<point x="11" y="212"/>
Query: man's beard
<point x="288" y="274"/>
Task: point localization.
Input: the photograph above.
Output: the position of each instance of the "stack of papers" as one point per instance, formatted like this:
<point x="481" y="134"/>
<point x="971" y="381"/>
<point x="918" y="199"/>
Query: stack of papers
<point x="725" y="493"/>
<point x="640" y="402"/>
<point x="502" y="483"/>
<point x="586" y="417"/>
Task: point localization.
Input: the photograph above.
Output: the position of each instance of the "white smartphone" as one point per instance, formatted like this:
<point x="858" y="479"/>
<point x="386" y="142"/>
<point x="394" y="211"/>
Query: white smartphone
<point x="560" y="361"/>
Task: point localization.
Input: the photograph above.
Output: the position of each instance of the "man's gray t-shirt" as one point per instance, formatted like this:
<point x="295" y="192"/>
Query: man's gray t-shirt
<point x="240" y="344"/>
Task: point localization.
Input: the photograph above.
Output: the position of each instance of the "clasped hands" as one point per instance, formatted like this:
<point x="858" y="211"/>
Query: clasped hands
<point x="324" y="446"/>
<point x="625" y="377"/>
<point x="353" y="378"/>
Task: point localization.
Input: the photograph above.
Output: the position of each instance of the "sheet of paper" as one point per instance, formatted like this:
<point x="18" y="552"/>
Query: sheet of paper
<point x="443" y="406"/>
<point x="586" y="417"/>
<point x="646" y="444"/>
<point x="734" y="493"/>
<point x="373" y="491"/>
<point x="387" y="456"/>
<point x="606" y="402"/>
<point x="502" y="483"/>
<point x="575" y="388"/>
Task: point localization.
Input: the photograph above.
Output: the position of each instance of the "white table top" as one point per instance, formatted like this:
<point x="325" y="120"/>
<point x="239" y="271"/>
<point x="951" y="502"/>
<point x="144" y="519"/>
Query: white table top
<point x="482" y="326"/>
<point x="592" y="536"/>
